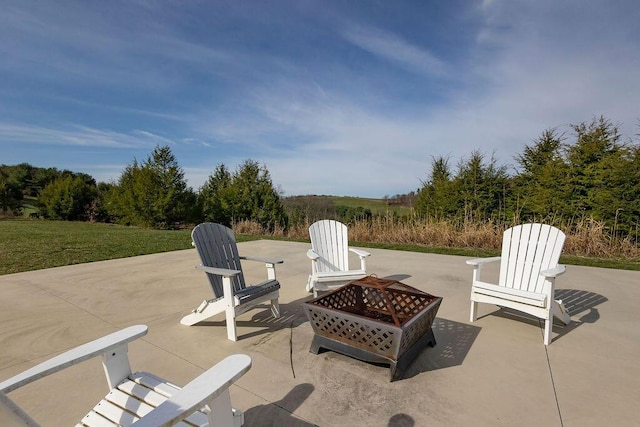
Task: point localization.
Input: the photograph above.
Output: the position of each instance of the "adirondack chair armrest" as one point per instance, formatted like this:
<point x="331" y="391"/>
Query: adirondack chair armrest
<point x="312" y="255"/>
<point x="262" y="259"/>
<point x="554" y="272"/>
<point x="476" y="262"/>
<point x="218" y="271"/>
<point x="199" y="392"/>
<point x="74" y="356"/>
<point x="270" y="263"/>
<point x="359" y="252"/>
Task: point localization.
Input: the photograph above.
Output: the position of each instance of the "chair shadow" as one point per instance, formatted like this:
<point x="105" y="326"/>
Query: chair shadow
<point x="453" y="342"/>
<point x="576" y="301"/>
<point x="280" y="413"/>
<point x="291" y="316"/>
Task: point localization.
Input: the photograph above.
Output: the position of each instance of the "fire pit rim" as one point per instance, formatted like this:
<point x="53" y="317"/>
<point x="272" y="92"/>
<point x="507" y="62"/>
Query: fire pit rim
<point x="382" y="287"/>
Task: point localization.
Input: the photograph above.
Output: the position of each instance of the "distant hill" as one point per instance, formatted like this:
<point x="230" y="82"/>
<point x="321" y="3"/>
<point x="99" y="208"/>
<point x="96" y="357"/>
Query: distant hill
<point x="377" y="206"/>
<point x="314" y="207"/>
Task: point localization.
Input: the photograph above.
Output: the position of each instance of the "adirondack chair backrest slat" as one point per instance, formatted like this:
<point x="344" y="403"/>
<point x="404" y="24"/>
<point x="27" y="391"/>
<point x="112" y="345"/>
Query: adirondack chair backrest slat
<point x="329" y="239"/>
<point x="527" y="250"/>
<point x="216" y="245"/>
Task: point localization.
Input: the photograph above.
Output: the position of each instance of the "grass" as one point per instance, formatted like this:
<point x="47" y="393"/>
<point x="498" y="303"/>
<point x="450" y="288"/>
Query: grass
<point x="32" y="245"/>
<point x="35" y="244"/>
<point x="27" y="245"/>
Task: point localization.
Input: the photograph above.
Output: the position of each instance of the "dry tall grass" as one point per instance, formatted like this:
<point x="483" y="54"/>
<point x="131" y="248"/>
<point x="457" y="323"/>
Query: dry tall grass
<point x="585" y="237"/>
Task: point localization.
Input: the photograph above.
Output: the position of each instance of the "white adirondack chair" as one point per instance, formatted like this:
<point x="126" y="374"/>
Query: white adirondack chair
<point x="329" y="255"/>
<point x="216" y="245"/>
<point x="528" y="269"/>
<point x="137" y="399"/>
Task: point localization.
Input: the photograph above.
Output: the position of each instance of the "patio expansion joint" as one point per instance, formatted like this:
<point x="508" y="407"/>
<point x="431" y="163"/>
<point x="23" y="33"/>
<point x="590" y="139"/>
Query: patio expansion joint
<point x="553" y="384"/>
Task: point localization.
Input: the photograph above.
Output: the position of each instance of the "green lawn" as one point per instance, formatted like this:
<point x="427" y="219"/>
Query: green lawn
<point x="27" y="245"/>
<point x="34" y="244"/>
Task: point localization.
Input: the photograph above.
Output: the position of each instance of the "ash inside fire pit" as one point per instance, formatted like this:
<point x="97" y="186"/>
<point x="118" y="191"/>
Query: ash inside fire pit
<point x="374" y="319"/>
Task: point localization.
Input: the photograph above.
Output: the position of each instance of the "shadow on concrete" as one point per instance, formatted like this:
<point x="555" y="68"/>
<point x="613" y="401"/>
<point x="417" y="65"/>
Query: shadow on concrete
<point x="291" y="316"/>
<point x="280" y="413"/>
<point x="453" y="342"/>
<point x="575" y="301"/>
<point x="401" y="420"/>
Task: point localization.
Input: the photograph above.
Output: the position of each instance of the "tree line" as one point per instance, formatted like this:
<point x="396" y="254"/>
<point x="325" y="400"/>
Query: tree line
<point x="591" y="173"/>
<point x="153" y="193"/>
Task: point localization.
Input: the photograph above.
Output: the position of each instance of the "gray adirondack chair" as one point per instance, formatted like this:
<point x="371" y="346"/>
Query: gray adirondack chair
<point x="216" y="245"/>
<point x="137" y="399"/>
<point x="528" y="269"/>
<point x="329" y="255"/>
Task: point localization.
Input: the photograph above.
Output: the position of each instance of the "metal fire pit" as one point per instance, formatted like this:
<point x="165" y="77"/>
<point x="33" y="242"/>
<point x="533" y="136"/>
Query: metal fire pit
<point x="375" y="320"/>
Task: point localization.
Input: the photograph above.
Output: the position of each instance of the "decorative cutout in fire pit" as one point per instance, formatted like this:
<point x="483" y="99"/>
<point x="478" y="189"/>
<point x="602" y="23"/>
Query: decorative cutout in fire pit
<point x="375" y="320"/>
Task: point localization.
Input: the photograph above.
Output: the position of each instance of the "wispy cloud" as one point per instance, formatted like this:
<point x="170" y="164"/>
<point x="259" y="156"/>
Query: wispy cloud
<point x="395" y="49"/>
<point x="102" y="106"/>
<point x="77" y="135"/>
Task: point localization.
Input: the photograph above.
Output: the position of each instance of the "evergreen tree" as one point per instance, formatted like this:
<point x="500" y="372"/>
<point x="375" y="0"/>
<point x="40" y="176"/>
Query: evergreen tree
<point x="256" y="198"/>
<point x="619" y="200"/>
<point x="215" y="196"/>
<point x="168" y="196"/>
<point x="541" y="184"/>
<point x="593" y="161"/>
<point x="152" y="194"/>
<point x="247" y="194"/>
<point x="436" y="198"/>
<point x="481" y="187"/>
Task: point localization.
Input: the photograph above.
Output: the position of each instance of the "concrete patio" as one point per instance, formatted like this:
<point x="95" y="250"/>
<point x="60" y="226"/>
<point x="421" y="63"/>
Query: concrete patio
<point x="495" y="371"/>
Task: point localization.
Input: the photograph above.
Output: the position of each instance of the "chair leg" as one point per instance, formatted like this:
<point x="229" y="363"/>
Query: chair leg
<point x="275" y="308"/>
<point x="548" y="324"/>
<point x="231" y="324"/>
<point x="561" y="312"/>
<point x="474" y="312"/>
<point x="229" y="309"/>
<point x="221" y="411"/>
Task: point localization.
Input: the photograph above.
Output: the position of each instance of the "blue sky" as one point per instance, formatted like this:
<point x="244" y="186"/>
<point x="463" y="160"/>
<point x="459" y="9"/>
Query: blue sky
<point x="334" y="97"/>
